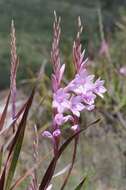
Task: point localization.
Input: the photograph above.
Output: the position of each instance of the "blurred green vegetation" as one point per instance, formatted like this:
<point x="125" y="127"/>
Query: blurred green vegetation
<point x="33" y="22"/>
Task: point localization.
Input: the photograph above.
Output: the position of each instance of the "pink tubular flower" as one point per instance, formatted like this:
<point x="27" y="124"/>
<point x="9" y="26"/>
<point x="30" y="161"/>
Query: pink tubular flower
<point x="89" y="98"/>
<point x="76" y="106"/>
<point x="82" y="83"/>
<point x="47" y="134"/>
<point x="55" y="138"/>
<point x="60" y="100"/>
<point x="56" y="133"/>
<point x="50" y="135"/>
<point x="60" y="119"/>
<point x="99" y="89"/>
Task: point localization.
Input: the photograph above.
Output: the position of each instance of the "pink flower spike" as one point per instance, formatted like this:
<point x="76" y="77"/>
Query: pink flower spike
<point x="47" y="134"/>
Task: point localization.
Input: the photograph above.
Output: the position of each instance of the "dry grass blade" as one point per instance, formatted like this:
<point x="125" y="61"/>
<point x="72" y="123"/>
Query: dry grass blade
<point x="62" y="171"/>
<point x="81" y="184"/>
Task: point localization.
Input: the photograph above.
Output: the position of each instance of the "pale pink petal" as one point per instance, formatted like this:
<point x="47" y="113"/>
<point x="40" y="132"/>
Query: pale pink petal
<point x="60" y="119"/>
<point x="57" y="133"/>
<point x="99" y="89"/>
<point x="75" y="112"/>
<point x="47" y="134"/>
<point x="75" y="128"/>
<point x="89" y="98"/>
<point x="90" y="107"/>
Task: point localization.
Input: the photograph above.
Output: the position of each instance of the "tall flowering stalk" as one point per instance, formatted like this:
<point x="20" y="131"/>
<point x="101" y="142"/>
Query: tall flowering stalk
<point x="57" y="75"/>
<point x="78" y="61"/>
<point x="14" y="66"/>
<point x="78" y="95"/>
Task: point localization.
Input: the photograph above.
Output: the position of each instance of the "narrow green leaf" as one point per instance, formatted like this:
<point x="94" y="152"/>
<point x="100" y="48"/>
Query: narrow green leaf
<point x="2" y="177"/>
<point x="17" y="143"/>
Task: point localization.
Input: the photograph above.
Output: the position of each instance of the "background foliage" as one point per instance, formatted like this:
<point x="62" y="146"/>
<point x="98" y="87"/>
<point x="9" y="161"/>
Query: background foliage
<point x="33" y="21"/>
